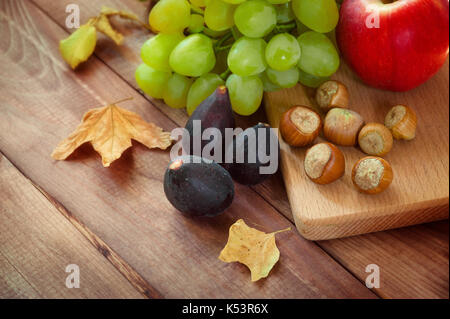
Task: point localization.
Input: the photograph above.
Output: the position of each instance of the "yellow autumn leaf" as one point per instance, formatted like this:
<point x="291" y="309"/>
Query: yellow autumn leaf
<point x="251" y="247"/>
<point x="104" y="26"/>
<point x="106" y="11"/>
<point x="110" y="129"/>
<point x="79" y="46"/>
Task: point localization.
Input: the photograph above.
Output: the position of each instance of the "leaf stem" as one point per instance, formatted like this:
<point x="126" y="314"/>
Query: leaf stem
<point x="281" y="231"/>
<point x="122" y="100"/>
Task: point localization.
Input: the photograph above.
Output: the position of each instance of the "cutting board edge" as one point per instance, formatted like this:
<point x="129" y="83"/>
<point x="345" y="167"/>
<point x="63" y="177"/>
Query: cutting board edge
<point x="324" y="231"/>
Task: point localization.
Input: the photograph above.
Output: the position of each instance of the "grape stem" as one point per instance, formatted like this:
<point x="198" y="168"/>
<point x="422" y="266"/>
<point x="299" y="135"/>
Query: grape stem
<point x="223" y="48"/>
<point x="284" y="27"/>
<point x="218" y="45"/>
<point x="225" y="74"/>
<point x="197" y="10"/>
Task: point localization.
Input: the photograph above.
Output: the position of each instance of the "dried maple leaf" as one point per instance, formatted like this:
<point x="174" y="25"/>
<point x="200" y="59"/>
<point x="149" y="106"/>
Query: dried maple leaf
<point x="110" y="129"/>
<point x="251" y="247"/>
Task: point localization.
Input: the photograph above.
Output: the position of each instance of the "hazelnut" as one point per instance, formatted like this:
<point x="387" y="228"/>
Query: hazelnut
<point x="324" y="163"/>
<point x="342" y="126"/>
<point x="375" y="139"/>
<point x="372" y="175"/>
<point x="402" y="121"/>
<point x="332" y="94"/>
<point x="300" y="126"/>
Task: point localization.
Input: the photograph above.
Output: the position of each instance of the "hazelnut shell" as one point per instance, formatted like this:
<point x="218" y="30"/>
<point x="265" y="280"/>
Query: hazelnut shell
<point x="405" y="129"/>
<point x="332" y="94"/>
<point x="385" y="181"/>
<point x="334" y="169"/>
<point x="383" y="132"/>
<point x="342" y="126"/>
<point x="292" y="134"/>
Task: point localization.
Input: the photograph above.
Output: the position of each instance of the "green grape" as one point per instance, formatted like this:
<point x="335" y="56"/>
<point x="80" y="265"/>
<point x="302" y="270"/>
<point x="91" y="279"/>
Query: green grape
<point x="219" y="15"/>
<point x="156" y="51"/>
<point x="284" y="79"/>
<point x="267" y="84"/>
<point x="170" y="16"/>
<point x="282" y="52"/>
<point x="246" y="56"/>
<point x="256" y="18"/>
<point x="284" y="13"/>
<point x="310" y="80"/>
<point x="198" y="3"/>
<point x="278" y="1"/>
<point x="151" y="81"/>
<point x="214" y="34"/>
<point x="319" y="56"/>
<point x="318" y="15"/>
<point x="193" y="56"/>
<point x="246" y="93"/>
<point x="197" y="23"/>
<point x="177" y="88"/>
<point x="203" y="87"/>
<point x="234" y="1"/>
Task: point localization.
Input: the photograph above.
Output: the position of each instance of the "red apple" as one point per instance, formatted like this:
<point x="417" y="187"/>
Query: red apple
<point x="394" y="45"/>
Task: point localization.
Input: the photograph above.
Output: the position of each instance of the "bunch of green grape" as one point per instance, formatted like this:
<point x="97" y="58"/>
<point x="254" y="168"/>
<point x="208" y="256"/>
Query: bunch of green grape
<point x="251" y="46"/>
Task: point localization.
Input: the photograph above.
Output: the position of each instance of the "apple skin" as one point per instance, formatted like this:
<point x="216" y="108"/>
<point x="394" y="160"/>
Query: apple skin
<point x="410" y="45"/>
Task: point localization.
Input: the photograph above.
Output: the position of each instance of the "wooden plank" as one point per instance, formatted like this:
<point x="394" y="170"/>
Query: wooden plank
<point x="415" y="266"/>
<point x="123" y="60"/>
<point x="125" y="205"/>
<point x="37" y="244"/>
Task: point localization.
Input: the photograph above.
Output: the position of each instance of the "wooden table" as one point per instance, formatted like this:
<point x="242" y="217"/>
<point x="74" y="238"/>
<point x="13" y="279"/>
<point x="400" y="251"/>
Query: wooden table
<point x="116" y="223"/>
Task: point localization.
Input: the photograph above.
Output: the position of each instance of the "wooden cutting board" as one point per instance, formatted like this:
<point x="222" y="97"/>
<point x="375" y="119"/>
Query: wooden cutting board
<point x="420" y="188"/>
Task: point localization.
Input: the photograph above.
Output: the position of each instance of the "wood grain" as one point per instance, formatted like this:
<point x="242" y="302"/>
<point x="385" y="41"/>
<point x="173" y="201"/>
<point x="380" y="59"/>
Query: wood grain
<point x="123" y="60"/>
<point x="122" y="266"/>
<point x="420" y="166"/>
<point x="37" y="243"/>
<point x="415" y="266"/>
<point x="125" y="205"/>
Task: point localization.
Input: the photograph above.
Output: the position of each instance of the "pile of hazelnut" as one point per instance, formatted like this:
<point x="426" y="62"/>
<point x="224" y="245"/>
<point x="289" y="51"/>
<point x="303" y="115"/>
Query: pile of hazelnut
<point x="324" y="162"/>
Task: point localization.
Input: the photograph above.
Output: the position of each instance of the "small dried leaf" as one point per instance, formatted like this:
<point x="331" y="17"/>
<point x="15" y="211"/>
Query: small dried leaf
<point x="110" y="129"/>
<point x="106" y="11"/>
<point x="253" y="248"/>
<point x="104" y="26"/>
<point x="79" y="46"/>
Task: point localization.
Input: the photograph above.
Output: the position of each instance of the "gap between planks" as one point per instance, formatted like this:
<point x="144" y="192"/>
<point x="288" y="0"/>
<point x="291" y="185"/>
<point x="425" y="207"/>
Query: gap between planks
<point x="136" y="280"/>
<point x="129" y="273"/>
